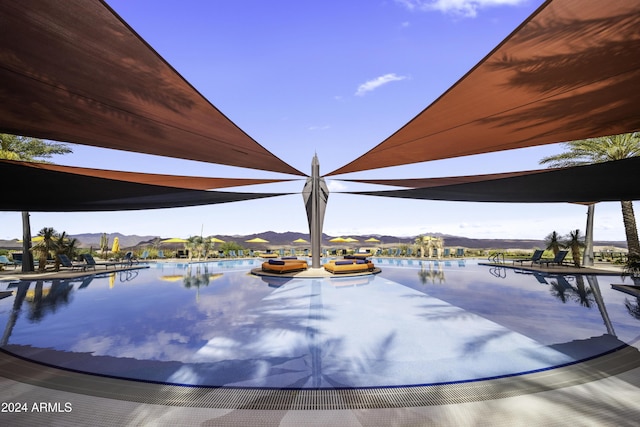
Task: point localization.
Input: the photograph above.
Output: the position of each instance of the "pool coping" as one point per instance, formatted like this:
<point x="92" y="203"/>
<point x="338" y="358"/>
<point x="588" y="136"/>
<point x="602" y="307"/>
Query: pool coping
<point x="616" y="362"/>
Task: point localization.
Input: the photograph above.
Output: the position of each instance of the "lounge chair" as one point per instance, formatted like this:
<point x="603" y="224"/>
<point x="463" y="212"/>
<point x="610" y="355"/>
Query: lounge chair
<point x="91" y="262"/>
<point x="557" y="260"/>
<point x="241" y="253"/>
<point x="537" y="255"/>
<point x="17" y="258"/>
<point x="66" y="262"/>
<point x="160" y="254"/>
<point x="4" y="261"/>
<point x="182" y="253"/>
<point x="358" y="255"/>
<point x="144" y="255"/>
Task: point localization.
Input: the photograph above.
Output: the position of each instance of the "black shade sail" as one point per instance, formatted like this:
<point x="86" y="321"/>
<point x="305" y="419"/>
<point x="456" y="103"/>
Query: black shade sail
<point x="36" y="187"/>
<point x="610" y="181"/>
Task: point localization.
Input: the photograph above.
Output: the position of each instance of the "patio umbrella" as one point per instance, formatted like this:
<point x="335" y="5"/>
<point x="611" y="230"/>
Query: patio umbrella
<point x="300" y="240"/>
<point x="373" y="240"/>
<point x="338" y="240"/>
<point x="216" y="240"/>
<point x="34" y="239"/>
<point x="350" y="240"/>
<point x="173" y="240"/>
<point x="257" y="240"/>
<point x="116" y="245"/>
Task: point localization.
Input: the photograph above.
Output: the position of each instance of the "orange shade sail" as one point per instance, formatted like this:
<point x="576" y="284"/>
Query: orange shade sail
<point x="76" y="72"/>
<point x="570" y="71"/>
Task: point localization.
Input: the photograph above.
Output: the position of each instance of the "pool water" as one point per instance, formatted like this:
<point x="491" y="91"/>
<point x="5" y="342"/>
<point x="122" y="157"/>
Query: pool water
<point x="415" y="323"/>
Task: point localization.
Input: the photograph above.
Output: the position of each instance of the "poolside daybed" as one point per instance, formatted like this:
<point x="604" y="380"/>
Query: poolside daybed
<point x="284" y="265"/>
<point x="348" y="266"/>
<point x="268" y="254"/>
<point x="359" y="255"/>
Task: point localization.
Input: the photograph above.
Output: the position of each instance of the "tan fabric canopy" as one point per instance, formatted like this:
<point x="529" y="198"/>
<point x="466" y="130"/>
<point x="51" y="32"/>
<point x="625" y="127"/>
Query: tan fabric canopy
<point x="73" y="71"/>
<point x="610" y="181"/>
<point x="177" y="181"/>
<point x="571" y="71"/>
<point x="72" y="192"/>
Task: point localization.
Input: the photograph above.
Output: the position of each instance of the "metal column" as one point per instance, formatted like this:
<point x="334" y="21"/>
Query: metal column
<point x="315" y="194"/>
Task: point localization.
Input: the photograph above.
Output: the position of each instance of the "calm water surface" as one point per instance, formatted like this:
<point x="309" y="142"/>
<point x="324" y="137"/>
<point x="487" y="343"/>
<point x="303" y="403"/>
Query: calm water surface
<point x="417" y="322"/>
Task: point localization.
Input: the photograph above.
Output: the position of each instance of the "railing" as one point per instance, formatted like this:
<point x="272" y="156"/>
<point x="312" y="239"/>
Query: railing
<point x="497" y="258"/>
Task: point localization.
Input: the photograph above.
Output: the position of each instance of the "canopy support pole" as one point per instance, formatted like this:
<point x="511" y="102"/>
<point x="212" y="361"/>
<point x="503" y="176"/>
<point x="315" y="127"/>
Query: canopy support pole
<point x="587" y="258"/>
<point x="27" y="257"/>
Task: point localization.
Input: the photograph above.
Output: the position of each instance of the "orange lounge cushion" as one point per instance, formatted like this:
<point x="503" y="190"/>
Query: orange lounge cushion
<point x="284" y="266"/>
<point x="269" y="255"/>
<point x="348" y="266"/>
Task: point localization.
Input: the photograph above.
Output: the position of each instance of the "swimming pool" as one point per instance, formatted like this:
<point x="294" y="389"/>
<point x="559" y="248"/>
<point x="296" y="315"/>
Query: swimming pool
<point x="415" y="323"/>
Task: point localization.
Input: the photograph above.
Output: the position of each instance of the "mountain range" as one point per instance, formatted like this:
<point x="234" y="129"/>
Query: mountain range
<point x="285" y="239"/>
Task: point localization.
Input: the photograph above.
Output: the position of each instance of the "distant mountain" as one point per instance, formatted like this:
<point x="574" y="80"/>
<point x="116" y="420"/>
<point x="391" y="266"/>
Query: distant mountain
<point x="93" y="239"/>
<point x="286" y="239"/>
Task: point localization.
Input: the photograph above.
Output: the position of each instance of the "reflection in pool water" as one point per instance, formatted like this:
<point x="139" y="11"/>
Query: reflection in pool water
<point x="417" y="322"/>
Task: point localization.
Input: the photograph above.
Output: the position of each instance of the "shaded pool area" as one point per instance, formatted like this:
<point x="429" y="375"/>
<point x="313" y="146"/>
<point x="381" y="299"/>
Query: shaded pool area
<point x="416" y="323"/>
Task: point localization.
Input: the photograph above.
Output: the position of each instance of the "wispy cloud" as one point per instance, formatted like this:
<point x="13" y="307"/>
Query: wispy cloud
<point x="325" y="127"/>
<point x="336" y="186"/>
<point x="377" y="82"/>
<point x="465" y="8"/>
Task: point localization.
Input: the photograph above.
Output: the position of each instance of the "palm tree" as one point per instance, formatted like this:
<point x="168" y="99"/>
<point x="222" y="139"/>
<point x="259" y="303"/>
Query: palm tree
<point x="552" y="242"/>
<point x="574" y="242"/>
<point x="46" y="246"/>
<point x="206" y="246"/>
<point x="421" y="241"/>
<point x="605" y="149"/>
<point x="190" y="245"/>
<point x="68" y="246"/>
<point x="15" y="147"/>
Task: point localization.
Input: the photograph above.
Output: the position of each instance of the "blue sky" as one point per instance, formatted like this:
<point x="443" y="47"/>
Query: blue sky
<point x="333" y="78"/>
